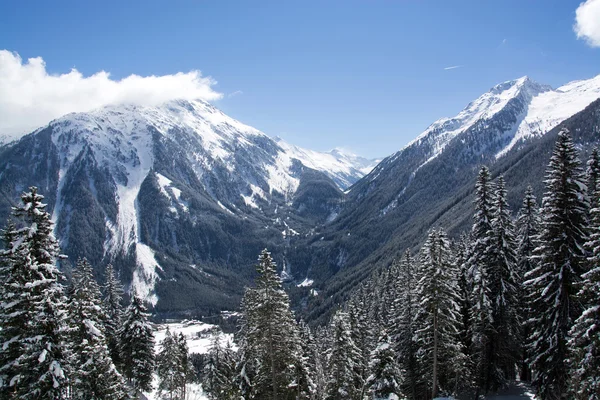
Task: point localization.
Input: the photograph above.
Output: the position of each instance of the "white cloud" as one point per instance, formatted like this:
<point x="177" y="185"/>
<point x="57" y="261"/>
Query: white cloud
<point x="452" y="67"/>
<point x="31" y="97"/>
<point x="587" y="22"/>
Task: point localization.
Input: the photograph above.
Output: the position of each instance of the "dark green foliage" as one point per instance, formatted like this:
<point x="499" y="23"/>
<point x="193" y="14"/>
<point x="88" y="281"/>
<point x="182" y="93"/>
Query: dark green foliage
<point x="506" y="286"/>
<point x="113" y="310"/>
<point x="33" y="356"/>
<point x="137" y="347"/>
<point x="94" y="376"/>
<point x="584" y="342"/>
<point x="552" y="284"/>
<point x="174" y="368"/>
<point x="528" y="226"/>
<point x="405" y="308"/>
<point x="437" y="322"/>
<point x="384" y="380"/>
<point x="343" y="356"/>
<point x="219" y="372"/>
<point x="271" y="361"/>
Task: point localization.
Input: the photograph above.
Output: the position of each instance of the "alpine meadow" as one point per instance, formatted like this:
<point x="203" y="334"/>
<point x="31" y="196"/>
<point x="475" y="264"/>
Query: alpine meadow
<point x="154" y="247"/>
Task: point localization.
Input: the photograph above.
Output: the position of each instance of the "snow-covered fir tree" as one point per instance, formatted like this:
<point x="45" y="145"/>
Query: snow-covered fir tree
<point x="342" y="361"/>
<point x="137" y="347"/>
<point x="314" y="370"/>
<point x="593" y="174"/>
<point x="185" y="368"/>
<point x="273" y="366"/>
<point x="402" y="324"/>
<point x="173" y="367"/>
<point x="461" y="250"/>
<point x="219" y="371"/>
<point x="552" y="283"/>
<point x="481" y="270"/>
<point x="320" y="348"/>
<point x="94" y="376"/>
<point x="584" y="343"/>
<point x="437" y="319"/>
<point x="384" y="381"/>
<point x="361" y="331"/>
<point x="505" y="286"/>
<point x="166" y="367"/>
<point x="33" y="355"/>
<point x="528" y="226"/>
<point x="113" y="308"/>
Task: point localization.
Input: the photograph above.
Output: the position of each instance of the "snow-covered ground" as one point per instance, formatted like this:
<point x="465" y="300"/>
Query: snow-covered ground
<point x="516" y="391"/>
<point x="198" y="336"/>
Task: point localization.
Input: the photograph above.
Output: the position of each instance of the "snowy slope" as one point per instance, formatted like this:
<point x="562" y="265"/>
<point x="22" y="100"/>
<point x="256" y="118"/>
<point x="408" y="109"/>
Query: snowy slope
<point x="550" y="108"/>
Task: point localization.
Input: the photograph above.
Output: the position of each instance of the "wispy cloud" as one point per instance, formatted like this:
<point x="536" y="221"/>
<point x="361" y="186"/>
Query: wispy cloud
<point x="503" y="42"/>
<point x="587" y="22"/>
<point x="30" y="97"/>
<point x="236" y="93"/>
<point x="452" y="67"/>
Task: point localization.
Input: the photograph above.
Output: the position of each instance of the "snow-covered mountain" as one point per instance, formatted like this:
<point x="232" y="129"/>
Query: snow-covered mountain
<point x="185" y="158"/>
<point x="429" y="182"/>
<point x="530" y="109"/>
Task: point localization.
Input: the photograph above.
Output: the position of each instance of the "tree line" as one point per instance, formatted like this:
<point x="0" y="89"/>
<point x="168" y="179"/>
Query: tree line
<point x="512" y="298"/>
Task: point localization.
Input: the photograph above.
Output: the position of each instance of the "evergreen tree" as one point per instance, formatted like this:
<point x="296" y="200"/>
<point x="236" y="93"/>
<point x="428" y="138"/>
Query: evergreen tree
<point x="480" y="268"/>
<point x="437" y="320"/>
<point x="247" y="354"/>
<point x="219" y="371"/>
<point x="113" y="307"/>
<point x="385" y="379"/>
<point x="33" y="356"/>
<point x="361" y="336"/>
<point x="552" y="283"/>
<point x="137" y="347"/>
<point x="465" y="287"/>
<point x="184" y="366"/>
<point x="584" y="342"/>
<point x="271" y="348"/>
<point x="322" y="345"/>
<point x="593" y="174"/>
<point x="314" y="370"/>
<point x="528" y="226"/>
<point x="505" y="285"/>
<point x="94" y="374"/>
<point x="403" y="327"/>
<point x="342" y="361"/>
<point x="167" y="365"/>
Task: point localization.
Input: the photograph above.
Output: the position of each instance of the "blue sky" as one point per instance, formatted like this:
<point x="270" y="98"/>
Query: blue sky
<point x="364" y="75"/>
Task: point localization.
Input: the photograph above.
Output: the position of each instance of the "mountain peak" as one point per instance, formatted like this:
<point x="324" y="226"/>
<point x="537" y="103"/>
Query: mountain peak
<point x="516" y="86"/>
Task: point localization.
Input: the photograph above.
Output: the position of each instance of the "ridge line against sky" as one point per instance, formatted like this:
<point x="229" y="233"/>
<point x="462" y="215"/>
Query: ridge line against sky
<point x="364" y="76"/>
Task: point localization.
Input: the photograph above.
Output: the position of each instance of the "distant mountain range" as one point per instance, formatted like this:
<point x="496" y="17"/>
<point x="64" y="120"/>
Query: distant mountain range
<point x="181" y="198"/>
